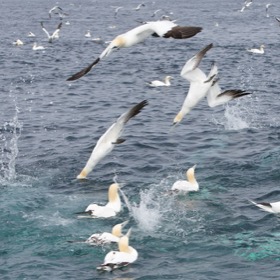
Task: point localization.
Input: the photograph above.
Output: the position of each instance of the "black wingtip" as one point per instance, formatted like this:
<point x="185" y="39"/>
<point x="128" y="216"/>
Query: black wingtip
<point x="83" y="71"/>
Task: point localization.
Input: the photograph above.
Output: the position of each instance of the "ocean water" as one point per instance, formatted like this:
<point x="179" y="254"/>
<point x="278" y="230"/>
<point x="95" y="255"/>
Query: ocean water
<point x="48" y="128"/>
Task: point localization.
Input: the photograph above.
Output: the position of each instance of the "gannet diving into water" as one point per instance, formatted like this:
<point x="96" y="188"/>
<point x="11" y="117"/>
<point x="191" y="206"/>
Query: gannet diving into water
<point x="55" y="34"/>
<point x="110" y="209"/>
<point x="190" y="185"/>
<point x="260" y="50"/>
<point x="118" y="259"/>
<point x="165" y="29"/>
<point x="273" y="207"/>
<point x="157" y="83"/>
<point x="199" y="83"/>
<point x="110" y="139"/>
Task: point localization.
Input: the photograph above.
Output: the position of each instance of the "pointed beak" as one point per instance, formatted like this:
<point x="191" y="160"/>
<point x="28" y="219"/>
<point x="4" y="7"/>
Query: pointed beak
<point x="123" y="224"/>
<point x="128" y="232"/>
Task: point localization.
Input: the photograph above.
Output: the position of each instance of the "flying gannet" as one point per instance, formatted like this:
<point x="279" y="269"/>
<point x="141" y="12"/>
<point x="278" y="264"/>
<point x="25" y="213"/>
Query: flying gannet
<point x="110" y="139"/>
<point x="199" y="83"/>
<point x="57" y="11"/>
<point x="55" y="34"/>
<point x="112" y="207"/>
<point x="165" y="29"/>
<point x="189" y="185"/>
<point x="157" y="83"/>
<point x="121" y="258"/>
<point x="273" y="207"/>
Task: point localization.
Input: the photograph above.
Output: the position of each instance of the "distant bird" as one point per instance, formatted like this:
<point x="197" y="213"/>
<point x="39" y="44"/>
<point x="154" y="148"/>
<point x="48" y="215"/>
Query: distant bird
<point x="110" y="209"/>
<point x="278" y="19"/>
<point x="199" y="83"/>
<point x="55" y="34"/>
<point x="57" y="11"/>
<point x="272" y="207"/>
<point x="155" y="12"/>
<point x="216" y="97"/>
<point x="189" y="185"/>
<point x="266" y="9"/>
<point x="87" y="34"/>
<point x="259" y="51"/>
<point x="18" y="42"/>
<point x="139" y="6"/>
<point x="36" y="47"/>
<point x="30" y="34"/>
<point x="107" y="237"/>
<point x="157" y="83"/>
<point x="246" y="4"/>
<point x="165" y="29"/>
<point x="110" y="139"/>
<point x="121" y="258"/>
<point x="116" y="10"/>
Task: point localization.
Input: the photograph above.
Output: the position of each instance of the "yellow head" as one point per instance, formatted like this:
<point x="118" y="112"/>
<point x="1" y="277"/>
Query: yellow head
<point x="124" y="242"/>
<point x="83" y="174"/>
<point x="190" y="174"/>
<point x="113" y="192"/>
<point x="117" y="229"/>
<point x="178" y="118"/>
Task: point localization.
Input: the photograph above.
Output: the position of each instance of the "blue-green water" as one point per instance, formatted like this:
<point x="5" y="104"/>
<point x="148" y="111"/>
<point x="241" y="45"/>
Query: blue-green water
<point x="48" y="128"/>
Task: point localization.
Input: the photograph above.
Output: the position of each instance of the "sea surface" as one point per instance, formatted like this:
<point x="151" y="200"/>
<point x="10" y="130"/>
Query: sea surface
<point x="48" y="128"/>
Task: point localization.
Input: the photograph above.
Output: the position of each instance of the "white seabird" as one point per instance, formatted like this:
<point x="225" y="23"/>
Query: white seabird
<point x="110" y="139"/>
<point x="139" y="6"/>
<point x="112" y="207"/>
<point x="246" y="4"/>
<point x="87" y="34"/>
<point x="157" y="83"/>
<point x="18" y="42"/>
<point x="36" y="47"/>
<point x="30" y="34"/>
<point x="107" y="237"/>
<point x="260" y="50"/>
<point x="266" y="9"/>
<point x="273" y="207"/>
<point x="58" y="11"/>
<point x="123" y="257"/>
<point x="55" y="34"/>
<point x="189" y="185"/>
<point x="278" y="19"/>
<point x="165" y="29"/>
<point x="199" y="83"/>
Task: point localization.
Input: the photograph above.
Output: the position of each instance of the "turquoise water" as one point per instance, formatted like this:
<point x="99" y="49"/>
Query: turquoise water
<point x="48" y="128"/>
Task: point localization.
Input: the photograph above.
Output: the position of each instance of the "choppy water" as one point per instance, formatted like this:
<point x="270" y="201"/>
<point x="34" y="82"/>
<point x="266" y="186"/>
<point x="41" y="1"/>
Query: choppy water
<point x="48" y="128"/>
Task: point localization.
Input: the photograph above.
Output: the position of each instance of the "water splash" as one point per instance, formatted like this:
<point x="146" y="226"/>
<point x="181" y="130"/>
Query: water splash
<point x="9" y="135"/>
<point x="235" y="119"/>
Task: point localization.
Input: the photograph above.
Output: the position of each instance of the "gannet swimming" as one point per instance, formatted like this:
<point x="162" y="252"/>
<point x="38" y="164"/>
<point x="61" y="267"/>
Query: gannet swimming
<point x="165" y="29"/>
<point x="260" y="50"/>
<point x="107" y="237"/>
<point x="216" y="97"/>
<point x="199" y="83"/>
<point x="30" y="34"/>
<point x="118" y="259"/>
<point x="57" y="11"/>
<point x="273" y="207"/>
<point x="18" y="42"/>
<point x="110" y="139"/>
<point x="87" y="34"/>
<point x="112" y="207"/>
<point x="190" y="185"/>
<point x="55" y="34"/>
<point x="157" y="83"/>
<point x="36" y="47"/>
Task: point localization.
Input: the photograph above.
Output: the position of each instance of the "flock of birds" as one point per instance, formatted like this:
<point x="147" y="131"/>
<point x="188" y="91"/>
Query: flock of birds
<point x="201" y="86"/>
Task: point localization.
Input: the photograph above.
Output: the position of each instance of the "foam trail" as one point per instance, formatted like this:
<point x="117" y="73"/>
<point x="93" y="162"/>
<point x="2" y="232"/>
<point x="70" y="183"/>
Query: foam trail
<point x="234" y="119"/>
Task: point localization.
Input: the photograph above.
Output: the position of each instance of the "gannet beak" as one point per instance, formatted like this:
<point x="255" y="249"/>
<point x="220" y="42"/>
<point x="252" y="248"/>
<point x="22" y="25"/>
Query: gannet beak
<point x="123" y="224"/>
<point x="194" y="167"/>
<point x="128" y="232"/>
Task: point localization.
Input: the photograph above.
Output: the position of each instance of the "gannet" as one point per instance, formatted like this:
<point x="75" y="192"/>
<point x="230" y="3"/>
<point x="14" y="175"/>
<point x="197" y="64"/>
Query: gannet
<point x="260" y="50"/>
<point x="139" y="6"/>
<point x="36" y="47"/>
<point x="123" y="257"/>
<point x="266" y="9"/>
<point x="112" y="207"/>
<point x="87" y="34"/>
<point x="216" y="97"/>
<point x="107" y="237"/>
<point x="278" y="19"/>
<point x="116" y="10"/>
<point x="57" y="11"/>
<point x="157" y="83"/>
<point x="18" y="42"/>
<point x="273" y="207"/>
<point x="55" y="34"/>
<point x="246" y="4"/>
<point x="199" y="83"/>
<point x="189" y="185"/>
<point x="110" y="138"/>
<point x="30" y="34"/>
<point x="155" y="12"/>
<point x="165" y="29"/>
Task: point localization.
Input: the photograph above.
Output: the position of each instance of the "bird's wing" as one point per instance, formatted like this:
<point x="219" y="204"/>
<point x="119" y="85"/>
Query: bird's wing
<point x="57" y="30"/>
<point x="45" y="30"/>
